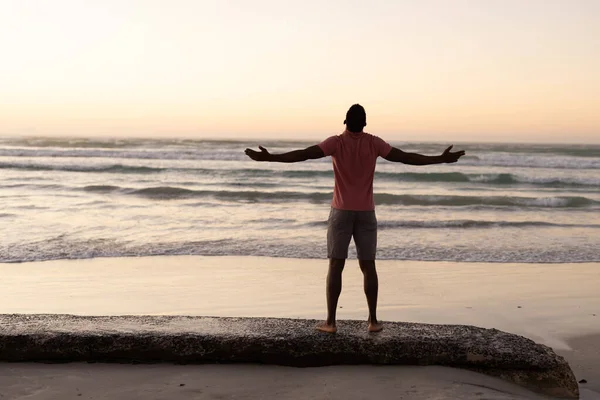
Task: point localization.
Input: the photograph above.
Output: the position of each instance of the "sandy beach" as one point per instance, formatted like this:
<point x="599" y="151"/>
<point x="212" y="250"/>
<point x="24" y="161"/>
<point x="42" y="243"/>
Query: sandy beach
<point x="125" y="382"/>
<point x="554" y="304"/>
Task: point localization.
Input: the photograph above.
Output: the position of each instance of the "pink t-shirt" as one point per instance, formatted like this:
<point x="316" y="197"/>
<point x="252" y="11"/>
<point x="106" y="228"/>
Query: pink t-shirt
<point x="354" y="156"/>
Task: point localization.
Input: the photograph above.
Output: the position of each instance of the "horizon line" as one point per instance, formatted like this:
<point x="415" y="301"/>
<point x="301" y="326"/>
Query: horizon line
<point x="233" y="138"/>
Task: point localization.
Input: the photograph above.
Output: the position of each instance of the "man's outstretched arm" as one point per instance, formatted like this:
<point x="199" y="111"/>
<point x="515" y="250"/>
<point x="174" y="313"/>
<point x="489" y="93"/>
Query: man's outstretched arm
<point x="310" y="153"/>
<point x="397" y="155"/>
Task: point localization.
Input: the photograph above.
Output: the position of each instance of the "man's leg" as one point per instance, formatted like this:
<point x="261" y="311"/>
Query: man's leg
<point x="365" y="238"/>
<point x="339" y="234"/>
<point x="334" y="289"/>
<point x="371" y="285"/>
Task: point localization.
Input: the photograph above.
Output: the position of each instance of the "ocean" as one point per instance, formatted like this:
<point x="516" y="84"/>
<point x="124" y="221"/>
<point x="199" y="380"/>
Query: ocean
<point x="85" y="198"/>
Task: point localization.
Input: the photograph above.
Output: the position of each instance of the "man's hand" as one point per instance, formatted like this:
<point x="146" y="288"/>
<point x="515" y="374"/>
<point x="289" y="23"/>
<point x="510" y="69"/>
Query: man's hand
<point x="263" y="155"/>
<point x="451" y="157"/>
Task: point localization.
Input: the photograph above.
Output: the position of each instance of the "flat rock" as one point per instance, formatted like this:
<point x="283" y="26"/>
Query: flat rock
<point x="291" y="342"/>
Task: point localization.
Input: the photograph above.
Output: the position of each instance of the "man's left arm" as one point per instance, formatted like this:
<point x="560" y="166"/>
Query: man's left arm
<point x="397" y="155"/>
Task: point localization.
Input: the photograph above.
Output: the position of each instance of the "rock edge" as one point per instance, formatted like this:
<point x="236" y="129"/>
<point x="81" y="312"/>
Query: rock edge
<point x="290" y="342"/>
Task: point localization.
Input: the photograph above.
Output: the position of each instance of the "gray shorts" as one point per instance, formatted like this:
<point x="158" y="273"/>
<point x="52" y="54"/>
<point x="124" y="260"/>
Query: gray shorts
<point x="343" y="225"/>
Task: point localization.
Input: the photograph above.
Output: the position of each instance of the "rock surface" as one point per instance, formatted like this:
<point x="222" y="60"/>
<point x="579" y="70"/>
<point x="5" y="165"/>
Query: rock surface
<point x="179" y="339"/>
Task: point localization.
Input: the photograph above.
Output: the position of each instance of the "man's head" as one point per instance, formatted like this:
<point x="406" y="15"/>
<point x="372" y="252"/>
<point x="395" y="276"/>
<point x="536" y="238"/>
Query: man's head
<point x="356" y="118"/>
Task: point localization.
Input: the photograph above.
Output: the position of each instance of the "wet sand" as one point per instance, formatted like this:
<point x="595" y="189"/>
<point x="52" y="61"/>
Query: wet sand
<point x="132" y="382"/>
<point x="584" y="359"/>
<point x="554" y="304"/>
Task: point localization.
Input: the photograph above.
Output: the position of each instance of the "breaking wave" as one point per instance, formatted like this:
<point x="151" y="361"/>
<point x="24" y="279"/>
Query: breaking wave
<point x="174" y="193"/>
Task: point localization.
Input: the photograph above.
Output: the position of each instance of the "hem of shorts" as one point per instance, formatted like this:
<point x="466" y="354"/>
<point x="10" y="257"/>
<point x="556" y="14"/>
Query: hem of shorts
<point x="329" y="256"/>
<point x="351" y="209"/>
<point x="346" y="258"/>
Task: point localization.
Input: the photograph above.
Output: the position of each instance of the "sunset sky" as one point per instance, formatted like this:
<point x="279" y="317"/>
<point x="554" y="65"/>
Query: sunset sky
<point x="487" y="70"/>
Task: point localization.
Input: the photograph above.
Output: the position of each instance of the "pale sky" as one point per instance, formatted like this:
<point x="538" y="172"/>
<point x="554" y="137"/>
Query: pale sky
<point x="460" y="70"/>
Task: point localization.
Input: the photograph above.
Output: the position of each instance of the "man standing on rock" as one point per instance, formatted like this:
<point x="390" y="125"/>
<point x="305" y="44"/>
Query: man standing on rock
<point x="352" y="215"/>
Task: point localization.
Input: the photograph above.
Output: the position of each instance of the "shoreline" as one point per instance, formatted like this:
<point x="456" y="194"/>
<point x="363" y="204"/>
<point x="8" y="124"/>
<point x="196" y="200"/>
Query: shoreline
<point x="276" y="257"/>
<point x="552" y="304"/>
<point x="545" y="302"/>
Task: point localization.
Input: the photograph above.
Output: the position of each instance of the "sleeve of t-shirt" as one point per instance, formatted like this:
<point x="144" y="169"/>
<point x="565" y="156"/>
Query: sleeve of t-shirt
<point x="329" y="145"/>
<point x="383" y="148"/>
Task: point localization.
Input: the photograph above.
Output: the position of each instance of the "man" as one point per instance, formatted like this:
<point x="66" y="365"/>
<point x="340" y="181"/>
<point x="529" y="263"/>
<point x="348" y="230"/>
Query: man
<point x="354" y="154"/>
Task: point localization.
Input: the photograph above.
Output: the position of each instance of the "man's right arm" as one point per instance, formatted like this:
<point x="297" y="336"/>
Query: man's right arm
<point x="310" y="153"/>
<point x="397" y="155"/>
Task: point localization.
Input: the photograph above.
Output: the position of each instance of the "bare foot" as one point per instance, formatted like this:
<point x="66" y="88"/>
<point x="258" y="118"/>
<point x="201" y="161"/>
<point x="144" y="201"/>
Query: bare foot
<point x="325" y="327"/>
<point x="375" y="326"/>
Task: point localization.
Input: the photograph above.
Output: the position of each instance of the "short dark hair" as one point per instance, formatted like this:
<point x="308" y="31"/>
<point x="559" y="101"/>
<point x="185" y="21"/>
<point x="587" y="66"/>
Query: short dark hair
<point x="356" y="118"/>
